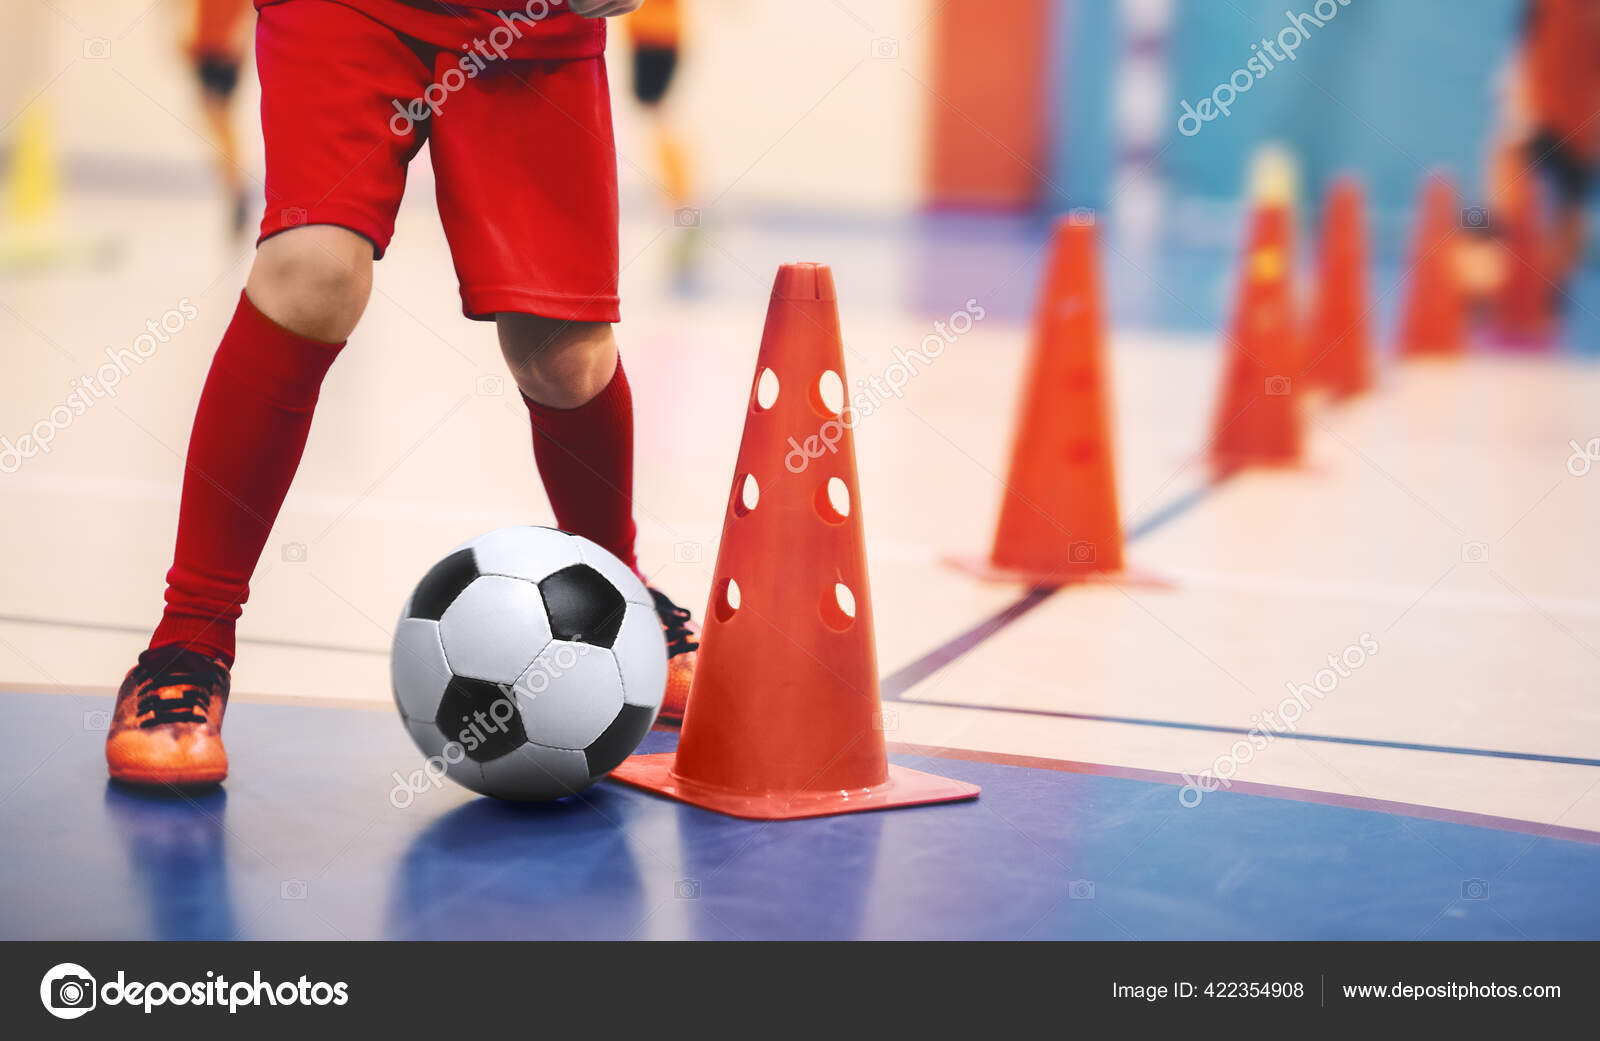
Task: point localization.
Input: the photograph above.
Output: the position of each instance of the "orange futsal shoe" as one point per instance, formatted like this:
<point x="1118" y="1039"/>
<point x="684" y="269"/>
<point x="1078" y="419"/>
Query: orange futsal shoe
<point x="682" y="651"/>
<point x="167" y="728"/>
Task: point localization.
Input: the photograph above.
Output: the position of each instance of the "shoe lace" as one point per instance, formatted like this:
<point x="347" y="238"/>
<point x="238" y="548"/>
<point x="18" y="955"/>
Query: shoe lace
<point x="675" y="620"/>
<point x="178" y="688"/>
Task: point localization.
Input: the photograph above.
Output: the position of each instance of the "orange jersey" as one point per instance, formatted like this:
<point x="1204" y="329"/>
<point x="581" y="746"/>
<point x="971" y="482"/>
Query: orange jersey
<point x="218" y="28"/>
<point x="657" y="23"/>
<point x="1561" y="66"/>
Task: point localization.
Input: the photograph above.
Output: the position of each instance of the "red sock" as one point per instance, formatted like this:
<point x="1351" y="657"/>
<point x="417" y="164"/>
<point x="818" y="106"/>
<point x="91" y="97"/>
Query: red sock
<point x="585" y="456"/>
<point x="249" y="432"/>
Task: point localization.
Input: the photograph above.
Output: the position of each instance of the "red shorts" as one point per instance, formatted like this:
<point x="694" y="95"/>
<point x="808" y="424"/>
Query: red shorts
<point x="522" y="151"/>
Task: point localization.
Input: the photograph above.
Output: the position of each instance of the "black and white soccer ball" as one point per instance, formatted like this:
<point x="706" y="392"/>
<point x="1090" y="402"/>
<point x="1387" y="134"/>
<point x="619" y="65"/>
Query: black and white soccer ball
<point x="528" y="663"/>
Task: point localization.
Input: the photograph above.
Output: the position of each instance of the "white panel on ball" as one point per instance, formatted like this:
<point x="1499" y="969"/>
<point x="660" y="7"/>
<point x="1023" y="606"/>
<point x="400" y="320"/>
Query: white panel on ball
<point x="494" y="629"/>
<point x="569" y="695"/>
<point x="641" y="652"/>
<point x="525" y="552"/>
<point x="615" y="571"/>
<point x="534" y="773"/>
<point x="418" y="668"/>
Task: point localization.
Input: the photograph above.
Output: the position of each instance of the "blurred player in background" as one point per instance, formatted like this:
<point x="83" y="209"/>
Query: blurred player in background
<point x="1550" y="129"/>
<point x="655" y="32"/>
<point x="350" y="92"/>
<point x="217" y="42"/>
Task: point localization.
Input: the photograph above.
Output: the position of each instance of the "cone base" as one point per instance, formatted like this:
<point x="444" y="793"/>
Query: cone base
<point x="903" y="788"/>
<point x="1337" y="392"/>
<point x="1226" y="466"/>
<point x="1540" y="339"/>
<point x="1427" y="351"/>
<point x="988" y="571"/>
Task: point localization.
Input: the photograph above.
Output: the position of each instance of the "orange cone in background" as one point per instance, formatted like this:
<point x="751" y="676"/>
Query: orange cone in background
<point x="1434" y="316"/>
<point x="1059" y="520"/>
<point x="1522" y="312"/>
<point x="783" y="718"/>
<point x="1339" y="341"/>
<point x="1258" y="420"/>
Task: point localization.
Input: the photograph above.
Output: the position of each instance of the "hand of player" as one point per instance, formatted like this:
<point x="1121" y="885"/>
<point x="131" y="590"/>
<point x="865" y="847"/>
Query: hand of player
<point x="602" y="8"/>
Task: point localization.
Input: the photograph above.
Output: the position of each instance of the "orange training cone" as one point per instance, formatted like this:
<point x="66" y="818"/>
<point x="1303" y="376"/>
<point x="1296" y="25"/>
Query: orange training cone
<point x="1339" y="348"/>
<point x="1059" y="521"/>
<point x="1258" y="420"/>
<point x="1434" y="316"/>
<point x="783" y="718"/>
<point x="1522" y="313"/>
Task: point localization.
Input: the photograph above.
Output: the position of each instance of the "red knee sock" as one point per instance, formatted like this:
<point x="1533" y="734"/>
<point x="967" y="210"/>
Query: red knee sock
<point x="585" y="456"/>
<point x="249" y="432"/>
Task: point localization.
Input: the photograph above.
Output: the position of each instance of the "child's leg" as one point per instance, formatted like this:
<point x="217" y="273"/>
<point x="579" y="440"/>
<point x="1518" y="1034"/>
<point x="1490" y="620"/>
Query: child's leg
<point x="306" y="290"/>
<point x="582" y="413"/>
<point x="336" y="167"/>
<point x="532" y="221"/>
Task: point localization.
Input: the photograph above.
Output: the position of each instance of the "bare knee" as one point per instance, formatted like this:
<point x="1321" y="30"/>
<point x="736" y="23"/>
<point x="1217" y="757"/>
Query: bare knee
<point x="313" y="280"/>
<point x="557" y="363"/>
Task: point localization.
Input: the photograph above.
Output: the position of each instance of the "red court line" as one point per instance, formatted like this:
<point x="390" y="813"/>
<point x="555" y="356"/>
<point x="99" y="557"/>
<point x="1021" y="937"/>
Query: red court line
<point x="1270" y="791"/>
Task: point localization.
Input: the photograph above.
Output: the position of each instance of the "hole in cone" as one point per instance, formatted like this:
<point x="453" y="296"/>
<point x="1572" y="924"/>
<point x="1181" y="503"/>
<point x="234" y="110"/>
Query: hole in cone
<point x="827" y="395"/>
<point x="839" y="607"/>
<point x="749" y="495"/>
<point x="833" y="501"/>
<point x="726" y="602"/>
<point x="766" y="390"/>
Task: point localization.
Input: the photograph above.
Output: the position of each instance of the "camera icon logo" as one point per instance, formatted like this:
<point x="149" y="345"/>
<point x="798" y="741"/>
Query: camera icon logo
<point x="1082" y="216"/>
<point x="491" y="386"/>
<point x="68" y="991"/>
<point x="1475" y="218"/>
<point x="97" y="48"/>
<point x="686" y="889"/>
<point x="1277" y="386"/>
<point x="1475" y="889"/>
<point x="294" y="216"/>
<point x="886" y="47"/>
<point x="1081" y="552"/>
<point x="686" y="553"/>
<point x="1474" y="552"/>
<point x="292" y="889"/>
<point x="97" y="719"/>
<point x="294" y="552"/>
<point x="1080" y="889"/>
<point x="686" y="217"/>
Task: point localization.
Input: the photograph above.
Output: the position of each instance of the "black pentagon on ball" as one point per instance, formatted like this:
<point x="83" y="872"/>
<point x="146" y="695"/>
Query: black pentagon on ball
<point x="482" y="717"/>
<point x="619" y="740"/>
<point x="583" y="607"/>
<point x="442" y="584"/>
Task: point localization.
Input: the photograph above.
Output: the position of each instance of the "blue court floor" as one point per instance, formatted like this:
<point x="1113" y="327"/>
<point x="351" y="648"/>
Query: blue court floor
<point x="305" y="842"/>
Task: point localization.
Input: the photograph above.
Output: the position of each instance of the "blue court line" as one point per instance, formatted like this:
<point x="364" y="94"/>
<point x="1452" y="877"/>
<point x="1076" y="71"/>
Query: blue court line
<point x="914" y="672"/>
<point x="1170" y="724"/>
<point x="894" y="685"/>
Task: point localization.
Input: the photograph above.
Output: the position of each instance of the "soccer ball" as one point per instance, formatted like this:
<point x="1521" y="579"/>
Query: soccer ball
<point x="528" y="663"/>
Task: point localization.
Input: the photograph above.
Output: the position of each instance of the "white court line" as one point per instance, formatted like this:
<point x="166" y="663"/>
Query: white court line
<point x="1377" y="593"/>
<point x="386" y="508"/>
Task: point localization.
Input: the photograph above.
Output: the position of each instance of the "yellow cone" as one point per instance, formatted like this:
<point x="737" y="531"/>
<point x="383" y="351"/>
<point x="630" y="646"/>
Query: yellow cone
<point x="32" y="182"/>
